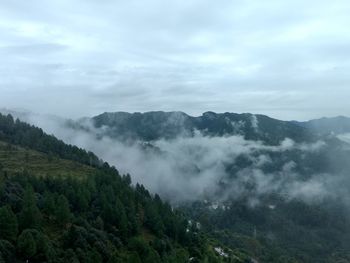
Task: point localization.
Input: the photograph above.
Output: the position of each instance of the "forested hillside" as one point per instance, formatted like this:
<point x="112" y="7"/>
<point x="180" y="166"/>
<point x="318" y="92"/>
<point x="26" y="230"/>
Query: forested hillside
<point x="278" y="230"/>
<point x="150" y="126"/>
<point x="59" y="203"/>
<point x="276" y="189"/>
<point x="285" y="202"/>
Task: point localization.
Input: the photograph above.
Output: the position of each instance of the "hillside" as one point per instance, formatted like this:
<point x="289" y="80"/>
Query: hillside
<point x="61" y="204"/>
<point x="276" y="189"/>
<point x="15" y="159"/>
<point x="275" y="199"/>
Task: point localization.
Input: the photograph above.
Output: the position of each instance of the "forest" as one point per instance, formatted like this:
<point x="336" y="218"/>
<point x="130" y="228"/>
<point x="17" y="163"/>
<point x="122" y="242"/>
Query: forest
<point x="61" y="203"/>
<point x="89" y="213"/>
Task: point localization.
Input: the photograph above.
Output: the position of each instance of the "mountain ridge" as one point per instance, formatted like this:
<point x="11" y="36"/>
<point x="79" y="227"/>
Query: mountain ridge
<point x="328" y="125"/>
<point x="167" y="125"/>
<point x="268" y="210"/>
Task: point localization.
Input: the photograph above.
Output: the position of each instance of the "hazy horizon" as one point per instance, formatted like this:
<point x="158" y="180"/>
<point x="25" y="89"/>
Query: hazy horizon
<point x="22" y="110"/>
<point x="182" y="181"/>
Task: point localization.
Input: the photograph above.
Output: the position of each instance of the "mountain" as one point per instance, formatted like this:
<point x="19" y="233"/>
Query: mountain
<point x="277" y="192"/>
<point x="281" y="193"/>
<point x="60" y="203"/>
<point x="324" y="126"/>
<point x="156" y="125"/>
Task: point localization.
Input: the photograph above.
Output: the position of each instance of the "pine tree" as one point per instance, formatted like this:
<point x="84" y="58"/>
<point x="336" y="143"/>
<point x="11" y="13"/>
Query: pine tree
<point x="122" y="220"/>
<point x="63" y="214"/>
<point x="152" y="257"/>
<point x="49" y="203"/>
<point x="153" y="220"/>
<point x="115" y="259"/>
<point x="95" y="257"/>
<point x="82" y="200"/>
<point x="26" y="244"/>
<point x="134" y="258"/>
<point x="30" y="216"/>
<point x="8" y="224"/>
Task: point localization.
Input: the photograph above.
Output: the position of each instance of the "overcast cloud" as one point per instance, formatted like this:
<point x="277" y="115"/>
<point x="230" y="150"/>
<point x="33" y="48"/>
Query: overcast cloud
<point x="287" y="59"/>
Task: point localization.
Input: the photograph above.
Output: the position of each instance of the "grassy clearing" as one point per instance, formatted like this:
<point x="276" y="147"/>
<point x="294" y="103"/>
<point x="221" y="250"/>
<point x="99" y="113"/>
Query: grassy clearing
<point x="17" y="159"/>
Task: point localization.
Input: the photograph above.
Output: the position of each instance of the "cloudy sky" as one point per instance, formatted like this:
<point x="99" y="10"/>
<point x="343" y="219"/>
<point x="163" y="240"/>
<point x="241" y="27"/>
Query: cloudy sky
<point x="288" y="59"/>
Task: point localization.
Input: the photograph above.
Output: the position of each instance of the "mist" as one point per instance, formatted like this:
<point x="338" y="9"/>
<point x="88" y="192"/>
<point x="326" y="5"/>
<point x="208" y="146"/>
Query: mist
<point x="190" y="168"/>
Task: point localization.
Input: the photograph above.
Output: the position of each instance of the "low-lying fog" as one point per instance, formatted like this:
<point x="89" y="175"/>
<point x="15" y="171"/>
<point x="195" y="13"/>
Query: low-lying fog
<point x="189" y="168"/>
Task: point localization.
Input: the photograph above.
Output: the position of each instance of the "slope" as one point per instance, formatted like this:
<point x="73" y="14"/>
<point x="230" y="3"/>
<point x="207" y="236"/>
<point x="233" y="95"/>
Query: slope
<point x="59" y="203"/>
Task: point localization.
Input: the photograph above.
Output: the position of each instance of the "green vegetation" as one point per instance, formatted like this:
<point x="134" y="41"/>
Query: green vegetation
<point x="287" y="231"/>
<point x="17" y="159"/>
<point x="59" y="203"/>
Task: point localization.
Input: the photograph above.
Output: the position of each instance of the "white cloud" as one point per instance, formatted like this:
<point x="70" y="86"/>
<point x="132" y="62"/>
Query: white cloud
<point x="288" y="59"/>
<point x="188" y="168"/>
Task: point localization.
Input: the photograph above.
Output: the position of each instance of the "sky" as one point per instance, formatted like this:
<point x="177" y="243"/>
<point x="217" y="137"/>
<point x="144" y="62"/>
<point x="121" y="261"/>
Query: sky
<point x="287" y="59"/>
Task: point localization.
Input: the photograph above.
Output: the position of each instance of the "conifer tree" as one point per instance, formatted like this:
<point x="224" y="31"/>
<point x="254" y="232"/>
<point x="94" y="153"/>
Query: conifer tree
<point x="30" y="216"/>
<point x="63" y="214"/>
<point x="26" y="244"/>
<point x="8" y="224"/>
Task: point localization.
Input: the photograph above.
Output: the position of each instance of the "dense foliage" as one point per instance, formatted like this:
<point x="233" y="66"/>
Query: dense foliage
<point x="59" y="203"/>
<point x="20" y="133"/>
<point x="100" y="219"/>
<point x="96" y="218"/>
<point x="277" y="230"/>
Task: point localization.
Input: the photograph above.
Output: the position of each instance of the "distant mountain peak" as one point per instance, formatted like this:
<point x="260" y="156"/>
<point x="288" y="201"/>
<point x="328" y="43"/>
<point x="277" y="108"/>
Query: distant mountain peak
<point x="328" y="125"/>
<point x="155" y="125"/>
